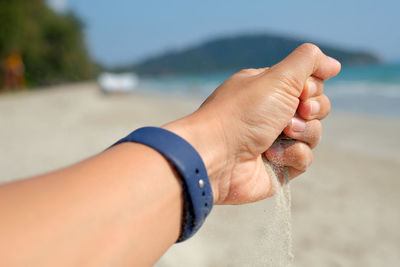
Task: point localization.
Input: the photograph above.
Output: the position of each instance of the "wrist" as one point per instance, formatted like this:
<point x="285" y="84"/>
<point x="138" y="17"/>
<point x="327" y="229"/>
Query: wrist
<point x="197" y="189"/>
<point x="205" y="135"/>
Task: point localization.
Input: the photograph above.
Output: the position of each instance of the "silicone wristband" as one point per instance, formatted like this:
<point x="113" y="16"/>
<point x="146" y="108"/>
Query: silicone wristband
<point x="197" y="190"/>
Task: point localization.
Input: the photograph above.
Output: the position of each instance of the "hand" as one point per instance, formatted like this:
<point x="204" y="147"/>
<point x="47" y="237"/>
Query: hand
<point x="305" y="127"/>
<point x="245" y="115"/>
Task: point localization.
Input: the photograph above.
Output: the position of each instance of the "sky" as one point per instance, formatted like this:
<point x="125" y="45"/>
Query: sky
<point x="121" y="32"/>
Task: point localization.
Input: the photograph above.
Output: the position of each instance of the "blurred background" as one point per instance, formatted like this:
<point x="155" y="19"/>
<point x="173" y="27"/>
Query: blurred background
<point x="78" y="75"/>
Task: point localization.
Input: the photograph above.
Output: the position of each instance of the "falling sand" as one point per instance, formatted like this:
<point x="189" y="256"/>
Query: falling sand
<point x="277" y="243"/>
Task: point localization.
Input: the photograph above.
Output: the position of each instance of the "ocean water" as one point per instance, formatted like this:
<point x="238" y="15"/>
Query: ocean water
<point x="370" y="89"/>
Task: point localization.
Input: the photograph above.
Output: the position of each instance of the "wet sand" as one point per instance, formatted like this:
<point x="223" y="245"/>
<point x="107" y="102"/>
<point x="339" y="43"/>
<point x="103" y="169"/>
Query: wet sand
<point x="345" y="208"/>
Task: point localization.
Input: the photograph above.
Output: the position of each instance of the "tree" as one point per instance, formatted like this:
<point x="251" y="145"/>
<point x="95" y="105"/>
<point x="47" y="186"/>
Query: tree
<point x="51" y="44"/>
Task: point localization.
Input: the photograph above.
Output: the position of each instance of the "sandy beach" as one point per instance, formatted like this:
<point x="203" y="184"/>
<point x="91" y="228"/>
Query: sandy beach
<point x="345" y="208"/>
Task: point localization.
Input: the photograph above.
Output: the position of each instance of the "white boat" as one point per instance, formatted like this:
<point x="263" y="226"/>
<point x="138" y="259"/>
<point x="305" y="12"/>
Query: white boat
<point x="118" y="83"/>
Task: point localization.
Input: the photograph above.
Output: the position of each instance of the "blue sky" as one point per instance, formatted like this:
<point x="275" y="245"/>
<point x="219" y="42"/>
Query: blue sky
<point x="126" y="31"/>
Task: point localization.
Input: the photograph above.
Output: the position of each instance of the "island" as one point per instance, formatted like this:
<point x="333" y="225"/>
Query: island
<point x="238" y="52"/>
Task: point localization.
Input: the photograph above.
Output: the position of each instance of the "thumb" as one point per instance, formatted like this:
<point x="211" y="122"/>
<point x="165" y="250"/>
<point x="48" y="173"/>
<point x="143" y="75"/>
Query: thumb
<point x="307" y="60"/>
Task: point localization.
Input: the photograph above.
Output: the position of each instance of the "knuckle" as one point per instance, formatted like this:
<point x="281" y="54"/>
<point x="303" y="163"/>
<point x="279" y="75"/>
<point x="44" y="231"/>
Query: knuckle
<point x="317" y="127"/>
<point x="246" y="71"/>
<point x="314" y="134"/>
<point x="310" y="49"/>
<point x="305" y="157"/>
<point x="238" y="74"/>
<point x="328" y="105"/>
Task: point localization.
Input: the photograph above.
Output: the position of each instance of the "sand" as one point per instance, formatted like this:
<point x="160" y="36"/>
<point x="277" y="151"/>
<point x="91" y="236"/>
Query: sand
<point x="277" y="243"/>
<point x="345" y="209"/>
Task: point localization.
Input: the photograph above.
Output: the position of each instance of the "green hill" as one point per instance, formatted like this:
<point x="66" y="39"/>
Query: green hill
<point x="234" y="53"/>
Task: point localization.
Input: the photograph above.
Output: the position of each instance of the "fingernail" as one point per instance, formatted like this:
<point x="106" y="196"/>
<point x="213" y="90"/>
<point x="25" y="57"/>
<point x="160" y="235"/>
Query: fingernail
<point x="333" y="60"/>
<point x="315" y="107"/>
<point x="298" y="125"/>
<point x="312" y="87"/>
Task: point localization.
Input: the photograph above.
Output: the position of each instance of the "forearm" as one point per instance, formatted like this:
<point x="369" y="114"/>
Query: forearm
<point x="121" y="206"/>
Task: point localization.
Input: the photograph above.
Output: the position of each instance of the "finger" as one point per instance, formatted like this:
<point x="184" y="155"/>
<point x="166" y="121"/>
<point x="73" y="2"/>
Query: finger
<point x="312" y="87"/>
<point x="292" y="173"/>
<point x="314" y="108"/>
<point x="297" y="155"/>
<point x="307" y="60"/>
<point x="309" y="132"/>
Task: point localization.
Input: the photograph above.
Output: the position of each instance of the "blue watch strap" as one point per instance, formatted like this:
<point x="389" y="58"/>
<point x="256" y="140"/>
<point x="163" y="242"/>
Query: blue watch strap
<point x="197" y="190"/>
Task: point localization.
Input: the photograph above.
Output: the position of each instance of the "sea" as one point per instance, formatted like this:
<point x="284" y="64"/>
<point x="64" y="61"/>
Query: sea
<point x="368" y="89"/>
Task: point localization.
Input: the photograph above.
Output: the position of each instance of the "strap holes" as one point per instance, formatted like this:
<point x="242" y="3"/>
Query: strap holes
<point x="203" y="194"/>
<point x="197" y="171"/>
<point x="206" y="204"/>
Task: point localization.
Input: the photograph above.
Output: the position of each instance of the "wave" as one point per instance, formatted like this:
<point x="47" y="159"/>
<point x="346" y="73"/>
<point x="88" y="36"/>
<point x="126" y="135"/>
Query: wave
<point x="356" y="88"/>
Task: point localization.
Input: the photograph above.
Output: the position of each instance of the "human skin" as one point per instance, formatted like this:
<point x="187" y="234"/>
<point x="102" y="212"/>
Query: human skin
<point x="123" y="207"/>
<point x="246" y="114"/>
